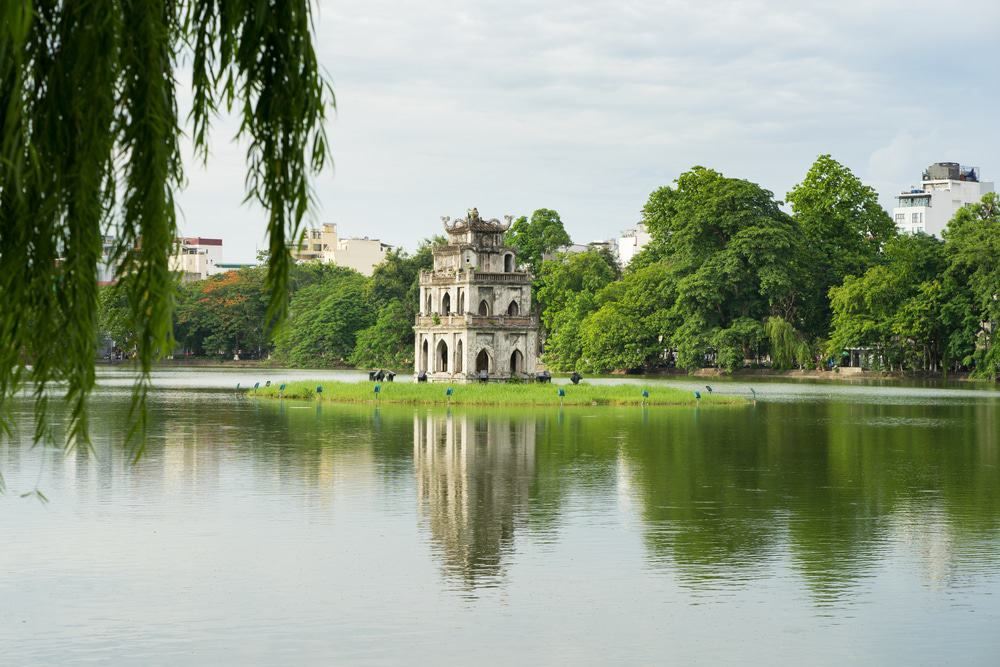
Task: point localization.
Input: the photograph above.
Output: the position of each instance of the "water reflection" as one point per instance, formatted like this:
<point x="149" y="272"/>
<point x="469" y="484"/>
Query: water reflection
<point x="474" y="475"/>
<point x="332" y="523"/>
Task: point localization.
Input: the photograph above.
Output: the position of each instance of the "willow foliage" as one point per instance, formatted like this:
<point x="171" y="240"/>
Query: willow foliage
<point x="787" y="346"/>
<point x="89" y="133"/>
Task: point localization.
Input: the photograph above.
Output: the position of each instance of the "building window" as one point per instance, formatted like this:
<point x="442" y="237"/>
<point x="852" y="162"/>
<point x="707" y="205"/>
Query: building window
<point x="900" y="218"/>
<point x="917" y="218"/>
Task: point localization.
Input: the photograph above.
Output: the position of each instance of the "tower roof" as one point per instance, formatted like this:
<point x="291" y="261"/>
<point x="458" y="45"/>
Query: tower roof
<point x="475" y="223"/>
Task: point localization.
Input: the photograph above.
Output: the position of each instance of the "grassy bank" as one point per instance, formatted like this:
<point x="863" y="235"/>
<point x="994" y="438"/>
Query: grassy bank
<point x="490" y="394"/>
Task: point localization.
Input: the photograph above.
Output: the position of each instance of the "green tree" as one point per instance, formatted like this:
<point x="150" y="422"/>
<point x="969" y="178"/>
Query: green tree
<point x="389" y="342"/>
<point x="565" y="292"/>
<point x="845" y="229"/>
<point x="224" y="315"/>
<point x="788" y="348"/>
<point x="973" y="250"/>
<point x="324" y="321"/>
<point x="89" y="138"/>
<point x="734" y="257"/>
<point x="868" y="310"/>
<point x="627" y="330"/>
<point x="541" y="234"/>
<point x="114" y="317"/>
<point x="394" y="291"/>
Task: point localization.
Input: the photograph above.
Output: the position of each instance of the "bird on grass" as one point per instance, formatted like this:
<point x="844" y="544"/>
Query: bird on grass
<point x="709" y="388"/>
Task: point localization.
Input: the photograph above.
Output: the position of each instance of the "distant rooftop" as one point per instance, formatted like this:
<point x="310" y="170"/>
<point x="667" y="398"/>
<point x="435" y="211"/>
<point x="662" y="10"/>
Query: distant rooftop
<point x="951" y="171"/>
<point x="199" y="240"/>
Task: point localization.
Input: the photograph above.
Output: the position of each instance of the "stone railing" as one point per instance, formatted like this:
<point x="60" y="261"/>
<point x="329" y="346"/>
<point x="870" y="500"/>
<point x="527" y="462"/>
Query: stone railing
<point x="452" y="277"/>
<point x="514" y="277"/>
<point x="470" y="320"/>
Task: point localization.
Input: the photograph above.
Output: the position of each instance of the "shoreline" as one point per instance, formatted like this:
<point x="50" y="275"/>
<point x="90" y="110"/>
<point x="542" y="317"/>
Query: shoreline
<point x="844" y="375"/>
<point x="493" y="394"/>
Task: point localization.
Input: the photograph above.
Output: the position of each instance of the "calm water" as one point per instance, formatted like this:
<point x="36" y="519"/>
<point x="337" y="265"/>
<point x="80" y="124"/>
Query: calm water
<point x="827" y="524"/>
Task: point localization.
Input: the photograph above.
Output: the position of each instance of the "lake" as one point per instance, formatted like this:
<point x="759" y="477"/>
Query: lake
<point x="825" y="524"/>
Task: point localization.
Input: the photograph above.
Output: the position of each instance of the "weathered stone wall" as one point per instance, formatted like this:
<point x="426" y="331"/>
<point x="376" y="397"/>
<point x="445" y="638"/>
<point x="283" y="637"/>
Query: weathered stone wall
<point x="475" y="310"/>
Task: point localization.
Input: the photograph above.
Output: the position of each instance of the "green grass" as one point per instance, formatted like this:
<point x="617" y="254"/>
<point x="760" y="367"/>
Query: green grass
<point x="490" y="394"/>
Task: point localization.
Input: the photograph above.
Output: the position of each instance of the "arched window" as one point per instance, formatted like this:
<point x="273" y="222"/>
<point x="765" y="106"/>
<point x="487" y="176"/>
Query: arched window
<point x="459" y="349"/>
<point x="484" y="308"/>
<point x="442" y="357"/>
<point x="427" y="305"/>
<point x="461" y="301"/>
<point x="424" y="355"/>
<point x="516" y="362"/>
<point x="513" y="309"/>
<point x="446" y="304"/>
<point x="508" y="263"/>
<point x="483" y="361"/>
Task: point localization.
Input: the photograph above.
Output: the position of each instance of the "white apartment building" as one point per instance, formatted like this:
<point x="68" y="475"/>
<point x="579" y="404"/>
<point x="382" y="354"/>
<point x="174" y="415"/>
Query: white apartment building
<point x="631" y="242"/>
<point x="324" y="244"/>
<point x="945" y="188"/>
<point x="106" y="269"/>
<point x="197" y="258"/>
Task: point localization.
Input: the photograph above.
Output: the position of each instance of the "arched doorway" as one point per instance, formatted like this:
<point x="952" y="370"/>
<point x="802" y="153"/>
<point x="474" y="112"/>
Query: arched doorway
<point x="513" y="308"/>
<point x="459" y="362"/>
<point x="442" y="357"/>
<point x="484" y="308"/>
<point x="516" y="362"/>
<point x="508" y="263"/>
<point x="483" y="361"/>
<point x="424" y="354"/>
<point x="446" y="304"/>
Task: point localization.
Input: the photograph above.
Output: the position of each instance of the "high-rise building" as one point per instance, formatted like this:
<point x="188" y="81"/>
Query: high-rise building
<point x="323" y="244"/>
<point x="197" y="258"/>
<point x="631" y="242"/>
<point x="945" y="188"/>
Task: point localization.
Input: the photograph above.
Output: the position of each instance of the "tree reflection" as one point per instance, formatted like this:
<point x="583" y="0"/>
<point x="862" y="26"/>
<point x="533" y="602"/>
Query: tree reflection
<point x="828" y="493"/>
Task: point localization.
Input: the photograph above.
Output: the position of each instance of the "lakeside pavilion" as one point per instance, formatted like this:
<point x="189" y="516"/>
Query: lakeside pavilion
<point x="475" y="315"/>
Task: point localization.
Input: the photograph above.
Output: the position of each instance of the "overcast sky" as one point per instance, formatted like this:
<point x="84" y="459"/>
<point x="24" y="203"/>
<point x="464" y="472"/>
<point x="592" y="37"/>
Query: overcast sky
<point x="586" y="106"/>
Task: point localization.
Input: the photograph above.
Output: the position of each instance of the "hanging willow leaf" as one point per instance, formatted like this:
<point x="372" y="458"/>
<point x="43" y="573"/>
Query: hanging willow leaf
<point x="89" y="142"/>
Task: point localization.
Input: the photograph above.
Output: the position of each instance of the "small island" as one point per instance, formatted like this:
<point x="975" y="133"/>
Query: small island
<point x="498" y="394"/>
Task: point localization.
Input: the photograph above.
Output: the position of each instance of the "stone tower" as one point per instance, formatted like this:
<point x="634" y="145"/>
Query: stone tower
<point x="475" y="307"/>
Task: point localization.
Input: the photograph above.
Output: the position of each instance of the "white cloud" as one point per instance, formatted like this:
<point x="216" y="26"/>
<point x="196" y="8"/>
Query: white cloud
<point x="587" y="106"/>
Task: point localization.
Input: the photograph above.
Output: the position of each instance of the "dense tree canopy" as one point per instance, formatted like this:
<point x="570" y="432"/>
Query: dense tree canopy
<point x="223" y="315"/>
<point x="844" y="229"/>
<point x="338" y="316"/>
<point x="89" y="139"/>
<point x="973" y="250"/>
<point x="565" y="292"/>
<point x="394" y="289"/>
<point x="324" y="320"/>
<point x="723" y="258"/>
<point x="728" y="280"/>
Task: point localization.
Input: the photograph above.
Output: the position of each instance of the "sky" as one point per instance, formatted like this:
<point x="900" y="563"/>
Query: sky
<point x="587" y="106"/>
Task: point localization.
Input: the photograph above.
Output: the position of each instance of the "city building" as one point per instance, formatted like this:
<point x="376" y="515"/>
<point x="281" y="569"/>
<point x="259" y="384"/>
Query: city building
<point x="197" y="258"/>
<point x="945" y="188"/>
<point x="611" y="246"/>
<point x="475" y="317"/>
<point x="106" y="268"/>
<point x="323" y="244"/>
<point x="630" y="242"/>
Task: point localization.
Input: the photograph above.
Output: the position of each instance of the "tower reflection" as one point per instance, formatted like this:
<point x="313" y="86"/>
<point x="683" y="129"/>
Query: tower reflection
<point x="474" y="473"/>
